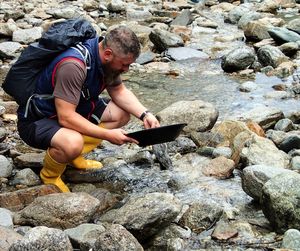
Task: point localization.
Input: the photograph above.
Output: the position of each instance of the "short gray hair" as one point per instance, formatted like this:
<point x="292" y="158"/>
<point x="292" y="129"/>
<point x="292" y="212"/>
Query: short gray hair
<point x="123" y="40"/>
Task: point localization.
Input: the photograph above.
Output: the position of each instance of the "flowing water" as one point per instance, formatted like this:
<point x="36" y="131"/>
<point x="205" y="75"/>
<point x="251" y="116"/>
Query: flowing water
<point x="205" y="80"/>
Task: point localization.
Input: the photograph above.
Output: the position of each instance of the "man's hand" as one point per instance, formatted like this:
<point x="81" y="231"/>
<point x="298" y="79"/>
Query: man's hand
<point x="118" y="137"/>
<point x="150" y="121"/>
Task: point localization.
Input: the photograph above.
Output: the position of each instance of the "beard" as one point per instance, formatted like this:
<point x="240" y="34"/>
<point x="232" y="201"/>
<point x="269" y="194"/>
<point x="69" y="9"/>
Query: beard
<point x="111" y="74"/>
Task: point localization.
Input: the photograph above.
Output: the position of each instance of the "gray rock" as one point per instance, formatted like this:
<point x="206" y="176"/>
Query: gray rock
<point x="222" y="151"/>
<point x="43" y="238"/>
<point x="163" y="40"/>
<point x="248" y="86"/>
<point x="6" y="219"/>
<point x="7" y="29"/>
<point x="64" y="210"/>
<point x="283" y="35"/>
<point x="266" y="117"/>
<point x="8" y="237"/>
<point x="116" y="237"/>
<point x="116" y="6"/>
<point x="5" y="167"/>
<point x="182" y="53"/>
<point x="291" y="240"/>
<point x="84" y="233"/>
<point x="284" y="125"/>
<point x="32" y="160"/>
<point x="145" y="57"/>
<point x="26" y="177"/>
<point x="184" y="18"/>
<point x="289" y="49"/>
<point x="236" y="13"/>
<point x="3" y="134"/>
<point x="10" y="49"/>
<point x="27" y="36"/>
<point x="280" y="199"/>
<point x="262" y="151"/>
<point x="145" y="215"/>
<point x="255" y="176"/>
<point x="290" y="142"/>
<point x="200" y="116"/>
<point x="66" y="12"/>
<point x="294" y="25"/>
<point x="137" y="15"/>
<point x="295" y="163"/>
<point x="270" y="55"/>
<point x="248" y="17"/>
<point x="238" y="59"/>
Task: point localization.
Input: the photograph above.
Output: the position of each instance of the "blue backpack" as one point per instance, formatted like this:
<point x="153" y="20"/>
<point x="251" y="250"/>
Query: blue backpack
<point x="22" y="76"/>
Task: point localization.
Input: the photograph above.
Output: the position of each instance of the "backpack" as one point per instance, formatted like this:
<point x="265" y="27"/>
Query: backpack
<point x="22" y="77"/>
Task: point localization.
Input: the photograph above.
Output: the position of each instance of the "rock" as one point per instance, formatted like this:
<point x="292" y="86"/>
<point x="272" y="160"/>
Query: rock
<point x="258" y="150"/>
<point x="248" y="86"/>
<point x="183" y="19"/>
<point x="289" y="143"/>
<point x="199" y="115"/>
<point x="182" y="53"/>
<point x="116" y="237"/>
<point x="116" y="6"/>
<point x="284" y="125"/>
<point x="247" y="18"/>
<point x="266" y="117"/>
<point x="84" y="233"/>
<point x="32" y="160"/>
<point x="238" y="59"/>
<point x="19" y="199"/>
<point x="289" y="49"/>
<point x="145" y="215"/>
<point x="219" y="167"/>
<point x="43" y="238"/>
<point x="146" y="57"/>
<point x="27" y="36"/>
<point x="10" y="50"/>
<point x="283" y="35"/>
<point x="162" y="39"/>
<point x="26" y="177"/>
<point x="5" y="167"/>
<point x="8" y="237"/>
<point x="291" y="240"/>
<point x="6" y="219"/>
<point x="7" y="29"/>
<point x="64" y="210"/>
<point x="295" y="163"/>
<point x="294" y="25"/>
<point x="200" y="216"/>
<point x="270" y="55"/>
<point x="254" y="178"/>
<point x="279" y="201"/>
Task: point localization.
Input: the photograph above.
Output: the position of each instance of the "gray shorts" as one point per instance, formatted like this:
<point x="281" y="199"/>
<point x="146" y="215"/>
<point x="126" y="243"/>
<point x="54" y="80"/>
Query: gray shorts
<point x="38" y="133"/>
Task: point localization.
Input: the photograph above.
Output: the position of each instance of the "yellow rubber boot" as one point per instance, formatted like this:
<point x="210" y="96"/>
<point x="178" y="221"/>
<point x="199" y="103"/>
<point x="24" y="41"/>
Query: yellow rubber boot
<point x="90" y="143"/>
<point x="52" y="171"/>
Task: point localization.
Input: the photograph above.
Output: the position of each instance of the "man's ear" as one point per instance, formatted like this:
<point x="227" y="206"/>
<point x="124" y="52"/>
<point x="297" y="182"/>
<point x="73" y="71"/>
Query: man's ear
<point x="108" y="54"/>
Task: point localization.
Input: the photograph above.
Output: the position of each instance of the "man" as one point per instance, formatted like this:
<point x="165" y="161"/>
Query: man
<point x="75" y="121"/>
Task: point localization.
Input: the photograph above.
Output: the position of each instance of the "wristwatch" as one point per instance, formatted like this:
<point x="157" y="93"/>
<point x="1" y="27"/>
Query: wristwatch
<point x="143" y="115"/>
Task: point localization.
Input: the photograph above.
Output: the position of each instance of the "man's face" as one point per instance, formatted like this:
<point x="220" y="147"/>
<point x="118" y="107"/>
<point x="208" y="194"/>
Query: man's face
<point x="119" y="64"/>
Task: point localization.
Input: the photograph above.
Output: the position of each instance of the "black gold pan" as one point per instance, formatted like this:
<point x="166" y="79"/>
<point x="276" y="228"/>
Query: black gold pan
<point x="157" y="135"/>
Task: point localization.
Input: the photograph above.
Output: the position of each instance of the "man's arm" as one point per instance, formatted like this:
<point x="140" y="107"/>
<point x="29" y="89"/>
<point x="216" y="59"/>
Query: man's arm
<point x="126" y="100"/>
<point x="69" y="118"/>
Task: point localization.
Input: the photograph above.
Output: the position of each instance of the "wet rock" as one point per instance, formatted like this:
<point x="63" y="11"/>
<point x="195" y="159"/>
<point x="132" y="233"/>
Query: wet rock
<point x="146" y="57"/>
<point x="248" y="86"/>
<point x="8" y="237"/>
<point x="182" y="53"/>
<point x="238" y="59"/>
<point x="284" y="125"/>
<point x="207" y="139"/>
<point x="161" y="153"/>
<point x="219" y="167"/>
<point x="122" y="177"/>
<point x="258" y="150"/>
<point x="85" y="233"/>
<point x="270" y="55"/>
<point x="181" y="145"/>
<point x="161" y="241"/>
<point x="295" y="163"/>
<point x="6" y="219"/>
<point x="64" y="210"/>
<point x="200" y="216"/>
<point x="116" y="237"/>
<point x="289" y="143"/>
<point x="279" y="201"/>
<point x="19" y="199"/>
<point x="291" y="240"/>
<point x="255" y="176"/>
<point x="145" y="215"/>
<point x="5" y="167"/>
<point x="26" y="177"/>
<point x="162" y="39"/>
<point x="294" y="25"/>
<point x="142" y="159"/>
<point x="183" y="19"/>
<point x="283" y="35"/>
<point x="266" y="117"/>
<point x="43" y="238"/>
<point x="200" y="115"/>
